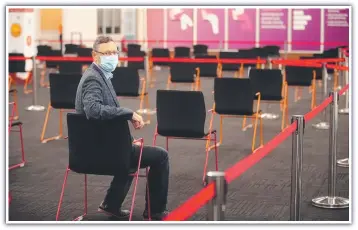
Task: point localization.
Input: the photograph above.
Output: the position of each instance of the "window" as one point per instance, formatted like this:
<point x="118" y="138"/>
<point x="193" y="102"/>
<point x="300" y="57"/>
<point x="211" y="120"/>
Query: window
<point x="109" y="21"/>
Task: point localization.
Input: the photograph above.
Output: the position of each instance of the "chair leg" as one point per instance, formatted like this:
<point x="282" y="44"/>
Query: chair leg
<point x="42" y="138"/>
<point x="155" y="139"/>
<point x="134" y="195"/>
<point x="147" y="107"/>
<point x="16" y="109"/>
<point x="62" y="193"/>
<point x="85" y="203"/>
<point x="221" y="131"/>
<point x="254" y="135"/>
<point x="207" y="149"/>
<point x="22" y="163"/>
<point x="216" y="154"/>
<point x="261" y="132"/>
<point x="148" y="194"/>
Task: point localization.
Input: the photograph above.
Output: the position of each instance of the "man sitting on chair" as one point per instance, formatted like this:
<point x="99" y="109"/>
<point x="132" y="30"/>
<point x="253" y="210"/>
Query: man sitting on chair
<point x="97" y="99"/>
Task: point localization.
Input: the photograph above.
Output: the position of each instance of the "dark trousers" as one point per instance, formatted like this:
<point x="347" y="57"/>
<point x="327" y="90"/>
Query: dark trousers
<point x="157" y="159"/>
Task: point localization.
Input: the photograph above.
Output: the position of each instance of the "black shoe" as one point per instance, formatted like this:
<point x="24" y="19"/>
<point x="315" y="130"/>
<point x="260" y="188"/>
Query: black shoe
<point x="116" y="213"/>
<point x="155" y="216"/>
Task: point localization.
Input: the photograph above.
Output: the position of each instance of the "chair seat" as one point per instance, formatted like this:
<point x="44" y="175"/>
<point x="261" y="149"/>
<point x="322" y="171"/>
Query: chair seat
<point x="269" y="98"/>
<point x="130" y="94"/>
<point x="292" y="83"/>
<point x="183" y="133"/>
<point x="235" y="112"/>
<point x="13" y="91"/>
<point x="63" y="105"/>
<point x="16" y="123"/>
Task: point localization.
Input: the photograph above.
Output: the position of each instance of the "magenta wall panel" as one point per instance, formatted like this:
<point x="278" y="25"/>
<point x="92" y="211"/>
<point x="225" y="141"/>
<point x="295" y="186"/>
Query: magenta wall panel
<point x="155" y="27"/>
<point x="336" y="27"/>
<point x="306" y="29"/>
<point x="242" y="28"/>
<point x="273" y="27"/>
<point x="180" y="27"/>
<point x="211" y="27"/>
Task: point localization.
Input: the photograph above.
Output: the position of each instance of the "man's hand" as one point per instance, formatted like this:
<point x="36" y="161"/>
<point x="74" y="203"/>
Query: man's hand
<point x="137" y="121"/>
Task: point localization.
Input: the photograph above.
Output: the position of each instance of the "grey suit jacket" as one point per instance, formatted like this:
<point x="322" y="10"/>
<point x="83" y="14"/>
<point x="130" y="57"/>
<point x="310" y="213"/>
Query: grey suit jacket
<point x="96" y="97"/>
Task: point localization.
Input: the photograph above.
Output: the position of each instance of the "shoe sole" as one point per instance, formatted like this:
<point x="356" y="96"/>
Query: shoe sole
<point x="111" y="214"/>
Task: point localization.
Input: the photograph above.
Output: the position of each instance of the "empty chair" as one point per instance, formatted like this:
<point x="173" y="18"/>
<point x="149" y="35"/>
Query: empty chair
<point x="272" y="88"/>
<point x="12" y="124"/>
<point x="18" y="66"/>
<point x="70" y="67"/>
<point x="209" y="69"/>
<point x="272" y="51"/>
<point x="126" y="83"/>
<point x="133" y="47"/>
<point x="182" y="115"/>
<point x="230" y="66"/>
<point x="200" y="49"/>
<point x="298" y="76"/>
<point x="181" y="52"/>
<point x="63" y="89"/>
<point x="161" y="53"/>
<point x="136" y="64"/>
<point x="71" y="48"/>
<point x="184" y="73"/>
<point x="234" y="97"/>
<point x="87" y="53"/>
<point x="100" y="147"/>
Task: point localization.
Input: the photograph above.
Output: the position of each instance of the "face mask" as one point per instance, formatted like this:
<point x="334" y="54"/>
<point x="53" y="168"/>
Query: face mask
<point x="109" y="63"/>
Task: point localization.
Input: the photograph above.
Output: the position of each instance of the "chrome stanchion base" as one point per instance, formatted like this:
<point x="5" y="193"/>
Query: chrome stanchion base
<point x="36" y="108"/>
<point x="344" y="111"/>
<point x="269" y="116"/>
<point x="330" y="202"/>
<point x="343" y="163"/>
<point x="146" y="111"/>
<point x="321" y="125"/>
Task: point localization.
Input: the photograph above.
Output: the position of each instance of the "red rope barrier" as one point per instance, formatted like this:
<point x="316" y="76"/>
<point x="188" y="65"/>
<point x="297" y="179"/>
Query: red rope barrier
<point x="337" y="67"/>
<point x="296" y="63"/>
<point x="310" y="115"/>
<point x="204" y="60"/>
<point x="345" y="88"/>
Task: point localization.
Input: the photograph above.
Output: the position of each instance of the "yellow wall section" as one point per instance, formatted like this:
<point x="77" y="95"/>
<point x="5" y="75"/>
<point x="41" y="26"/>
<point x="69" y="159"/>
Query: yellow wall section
<point x="50" y="19"/>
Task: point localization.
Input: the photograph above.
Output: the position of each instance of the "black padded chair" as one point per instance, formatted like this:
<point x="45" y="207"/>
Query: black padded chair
<point x="100" y="147"/>
<point x="272" y="87"/>
<point x="230" y="66"/>
<point x="126" y="83"/>
<point x="208" y="69"/>
<point x="18" y="66"/>
<point x="159" y="53"/>
<point x="136" y="64"/>
<point x="181" y="52"/>
<point x="71" y="48"/>
<point x="12" y="124"/>
<point x="87" y="53"/>
<point x="50" y="66"/>
<point x="63" y="89"/>
<point x="272" y="51"/>
<point x="200" y="49"/>
<point x="297" y="76"/>
<point x="234" y="97"/>
<point x="182" y="72"/>
<point x="133" y="48"/>
<point x="182" y="115"/>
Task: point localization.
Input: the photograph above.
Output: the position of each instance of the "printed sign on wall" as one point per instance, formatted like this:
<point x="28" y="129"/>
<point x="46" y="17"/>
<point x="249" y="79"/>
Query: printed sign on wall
<point x="155" y="28"/>
<point x="336" y="27"/>
<point x="273" y="27"/>
<point x="180" y="27"/>
<point x="211" y="28"/>
<point x="306" y="29"/>
<point x="242" y="28"/>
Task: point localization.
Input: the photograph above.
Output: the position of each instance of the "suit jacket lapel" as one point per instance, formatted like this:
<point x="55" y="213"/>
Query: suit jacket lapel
<point x="114" y="96"/>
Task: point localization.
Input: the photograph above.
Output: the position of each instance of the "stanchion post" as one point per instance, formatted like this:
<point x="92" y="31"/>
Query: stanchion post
<point x="323" y="124"/>
<point x="331" y="200"/>
<point x="217" y="206"/>
<point x="34" y="106"/>
<point x="296" y="168"/>
<point x="345" y="110"/>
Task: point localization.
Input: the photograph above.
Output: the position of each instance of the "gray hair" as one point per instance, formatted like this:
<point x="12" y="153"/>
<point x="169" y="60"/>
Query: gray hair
<point x="100" y="40"/>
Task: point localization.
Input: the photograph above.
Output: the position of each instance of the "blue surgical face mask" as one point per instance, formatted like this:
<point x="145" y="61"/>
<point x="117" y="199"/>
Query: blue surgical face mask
<point x="109" y="63"/>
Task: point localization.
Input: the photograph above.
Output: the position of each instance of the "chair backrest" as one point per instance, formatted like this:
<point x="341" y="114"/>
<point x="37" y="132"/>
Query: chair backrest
<point x="53" y="64"/>
<point x="233" y="96"/>
<point x="84" y="52"/>
<point x="182" y="72"/>
<point x="126" y="81"/>
<point x="207" y="69"/>
<point x="70" y="67"/>
<point x="71" y="48"/>
<point x="160" y="52"/>
<point x="43" y="50"/>
<point x="229" y="55"/>
<point x="181" y="51"/>
<point x="200" y="49"/>
<point x="16" y="66"/>
<point x="63" y="88"/>
<point x="268" y="82"/>
<point x="180" y="113"/>
<point x="319" y="71"/>
<point x="299" y="76"/>
<point x="100" y="147"/>
<point x="132" y="47"/>
<point x="272" y="51"/>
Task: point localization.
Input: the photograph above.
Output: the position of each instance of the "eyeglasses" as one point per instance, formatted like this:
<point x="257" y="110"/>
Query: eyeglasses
<point x="108" y="53"/>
